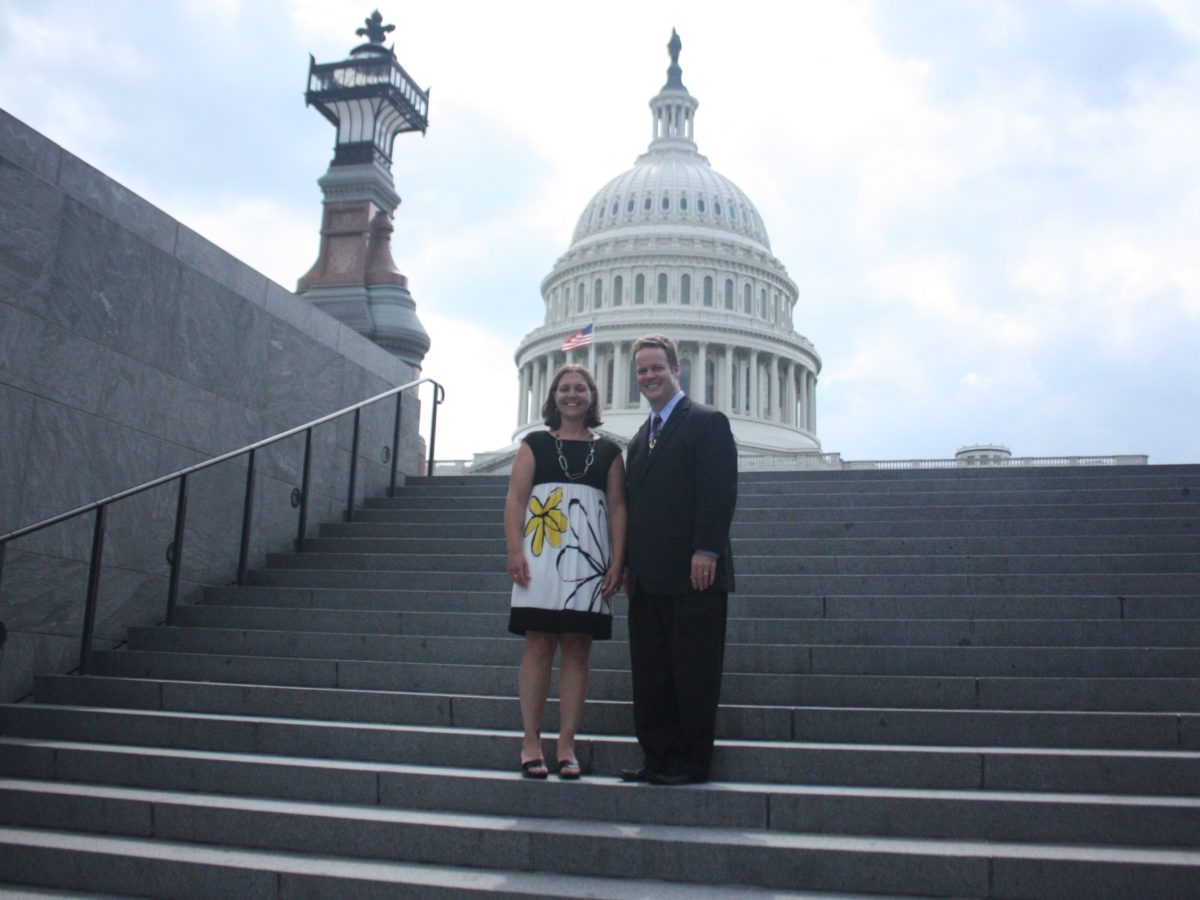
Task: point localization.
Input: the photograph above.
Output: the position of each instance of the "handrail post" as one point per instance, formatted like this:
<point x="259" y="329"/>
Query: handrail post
<point x="438" y="394"/>
<point x="177" y="547"/>
<point x="353" y="467"/>
<point x="396" y="444"/>
<point x="247" y="521"/>
<point x="93" y="589"/>
<point x="302" y="531"/>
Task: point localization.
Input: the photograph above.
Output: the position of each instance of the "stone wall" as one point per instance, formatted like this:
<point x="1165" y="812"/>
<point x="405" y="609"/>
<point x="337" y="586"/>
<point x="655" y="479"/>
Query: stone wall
<point x="131" y="347"/>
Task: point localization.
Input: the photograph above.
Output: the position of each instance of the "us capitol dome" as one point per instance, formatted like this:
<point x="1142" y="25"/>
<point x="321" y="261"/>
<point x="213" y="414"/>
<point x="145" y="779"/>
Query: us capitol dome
<point x="673" y="246"/>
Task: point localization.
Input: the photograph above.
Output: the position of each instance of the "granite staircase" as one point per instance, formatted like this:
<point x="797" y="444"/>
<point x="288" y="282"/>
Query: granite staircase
<point x="977" y="683"/>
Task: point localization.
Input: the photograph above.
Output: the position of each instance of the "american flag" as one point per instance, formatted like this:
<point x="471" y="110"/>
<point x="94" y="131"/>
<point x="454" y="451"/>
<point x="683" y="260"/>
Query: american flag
<point x="581" y="338"/>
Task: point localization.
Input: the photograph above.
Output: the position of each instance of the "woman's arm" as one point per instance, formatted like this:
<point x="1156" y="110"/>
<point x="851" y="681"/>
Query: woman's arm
<point x="520" y="485"/>
<point x="615" y="496"/>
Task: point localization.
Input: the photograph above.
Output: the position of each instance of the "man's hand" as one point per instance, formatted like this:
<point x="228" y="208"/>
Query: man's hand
<point x="704" y="571"/>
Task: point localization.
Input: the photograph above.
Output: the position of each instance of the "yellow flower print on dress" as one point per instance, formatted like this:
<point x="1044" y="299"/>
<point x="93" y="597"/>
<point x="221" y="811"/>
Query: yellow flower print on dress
<point x="548" y="522"/>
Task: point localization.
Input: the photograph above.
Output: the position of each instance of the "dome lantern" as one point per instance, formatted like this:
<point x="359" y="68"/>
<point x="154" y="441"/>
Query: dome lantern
<point x="673" y="109"/>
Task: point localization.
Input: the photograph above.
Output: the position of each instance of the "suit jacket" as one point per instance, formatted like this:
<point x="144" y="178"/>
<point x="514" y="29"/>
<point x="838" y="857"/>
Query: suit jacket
<point x="681" y="498"/>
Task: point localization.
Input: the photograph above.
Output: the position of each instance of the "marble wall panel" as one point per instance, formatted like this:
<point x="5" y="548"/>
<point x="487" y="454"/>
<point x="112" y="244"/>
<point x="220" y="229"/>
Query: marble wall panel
<point x="42" y="595"/>
<point x="227" y="270"/>
<point x="27" y="654"/>
<point x="144" y="397"/>
<point x="16" y="412"/>
<point x="127" y="598"/>
<point x="221" y="342"/>
<point x="214" y="521"/>
<point x="75" y="458"/>
<point x="116" y="202"/>
<point x="50" y="361"/>
<point x="302" y="382"/>
<point x="112" y="287"/>
<point x="28" y="149"/>
<point x="29" y="222"/>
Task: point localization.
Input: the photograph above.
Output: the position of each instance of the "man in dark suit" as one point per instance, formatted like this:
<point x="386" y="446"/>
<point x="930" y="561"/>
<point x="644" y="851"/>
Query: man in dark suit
<point x="681" y="487"/>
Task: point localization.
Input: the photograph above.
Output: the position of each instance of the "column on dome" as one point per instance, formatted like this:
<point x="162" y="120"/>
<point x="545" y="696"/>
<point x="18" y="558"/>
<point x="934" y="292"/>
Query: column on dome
<point x="619" y="372"/>
<point x="755" y="406"/>
<point x="812" y="414"/>
<point x="725" y="401"/>
<point x="773" y="397"/>
<point x="700" y="372"/>
<point x="805" y="405"/>
<point x="789" y="396"/>
<point x="523" y="406"/>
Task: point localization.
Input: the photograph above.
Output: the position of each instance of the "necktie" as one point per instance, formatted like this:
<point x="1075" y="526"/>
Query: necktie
<point x="655" y="428"/>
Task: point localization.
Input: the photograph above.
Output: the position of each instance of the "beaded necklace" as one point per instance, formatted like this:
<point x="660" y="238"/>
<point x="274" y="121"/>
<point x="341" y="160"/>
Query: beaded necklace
<point x="587" y="463"/>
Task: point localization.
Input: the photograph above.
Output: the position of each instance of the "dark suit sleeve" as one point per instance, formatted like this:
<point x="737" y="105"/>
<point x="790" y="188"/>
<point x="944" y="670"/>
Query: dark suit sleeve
<point x="716" y="485"/>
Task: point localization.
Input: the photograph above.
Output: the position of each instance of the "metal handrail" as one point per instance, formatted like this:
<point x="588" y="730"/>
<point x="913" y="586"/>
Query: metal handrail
<point x="175" y="553"/>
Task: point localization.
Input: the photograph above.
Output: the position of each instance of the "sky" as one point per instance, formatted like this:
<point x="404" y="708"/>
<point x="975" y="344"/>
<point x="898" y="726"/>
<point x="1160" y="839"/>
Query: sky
<point x="991" y="209"/>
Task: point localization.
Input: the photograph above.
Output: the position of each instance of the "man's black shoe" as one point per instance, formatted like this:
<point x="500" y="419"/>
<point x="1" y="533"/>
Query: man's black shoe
<point x="639" y="774"/>
<point x="671" y="779"/>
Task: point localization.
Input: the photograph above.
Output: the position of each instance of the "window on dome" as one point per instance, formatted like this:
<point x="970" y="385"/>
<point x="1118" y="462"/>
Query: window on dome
<point x="762" y="303"/>
<point x="700" y="204"/>
<point x="639" y="289"/>
<point x="717" y="207"/>
<point x="666" y="202"/>
<point x="685" y="290"/>
<point x="647" y="204"/>
<point x="600" y="211"/>
<point x="629" y="208"/>
<point x="732" y="213"/>
<point x="616" y="207"/>
<point x="597" y="293"/>
<point x="683" y="204"/>
<point x="708" y="290"/>
<point x="662" y="287"/>
<point x="747" y="301"/>
<point x="581" y="301"/>
<point x="618" y="290"/>
<point x="729" y="293"/>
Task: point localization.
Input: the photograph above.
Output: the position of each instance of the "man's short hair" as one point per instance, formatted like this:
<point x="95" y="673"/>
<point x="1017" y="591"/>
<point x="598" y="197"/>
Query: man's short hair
<point x="661" y="342"/>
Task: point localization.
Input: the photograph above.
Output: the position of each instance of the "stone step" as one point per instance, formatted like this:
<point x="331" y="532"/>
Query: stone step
<point x="816" y="659"/>
<point x="1120" y="584"/>
<point x="491" y="528"/>
<point x="1095" y="694"/>
<point x="1184" y="498"/>
<point x="933" y="632"/>
<point x="746" y="605"/>
<point x="841" y="545"/>
<point x="759" y="483"/>
<point x="1147" y="731"/>
<point x="988" y="815"/>
<point x="1137" y="772"/>
<point x="465" y="513"/>
<point x="779" y="564"/>
<point x="565" y="846"/>
<point x="173" y="869"/>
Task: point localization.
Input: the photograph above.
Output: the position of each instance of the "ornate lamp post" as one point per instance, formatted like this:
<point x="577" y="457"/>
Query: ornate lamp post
<point x="369" y="99"/>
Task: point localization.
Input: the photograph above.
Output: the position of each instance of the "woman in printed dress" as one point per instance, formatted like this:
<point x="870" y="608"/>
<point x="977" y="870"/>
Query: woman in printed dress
<point x="564" y="523"/>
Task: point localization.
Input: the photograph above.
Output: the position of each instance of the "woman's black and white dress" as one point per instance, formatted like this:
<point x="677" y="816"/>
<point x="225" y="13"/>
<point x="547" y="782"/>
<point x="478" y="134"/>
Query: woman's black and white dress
<point x="566" y="540"/>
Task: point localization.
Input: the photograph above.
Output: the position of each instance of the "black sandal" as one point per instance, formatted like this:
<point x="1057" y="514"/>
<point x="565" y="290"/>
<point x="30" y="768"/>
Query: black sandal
<point x="527" y="768"/>
<point x="568" y="769"/>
